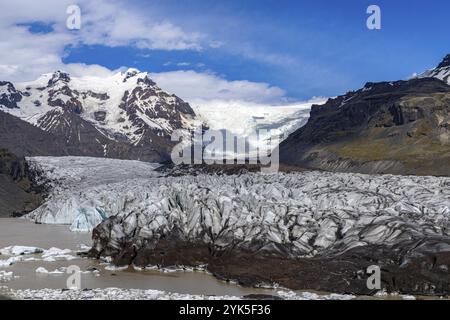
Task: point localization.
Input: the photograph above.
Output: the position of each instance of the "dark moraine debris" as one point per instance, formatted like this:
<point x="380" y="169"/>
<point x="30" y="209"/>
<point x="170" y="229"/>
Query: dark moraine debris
<point x="410" y="269"/>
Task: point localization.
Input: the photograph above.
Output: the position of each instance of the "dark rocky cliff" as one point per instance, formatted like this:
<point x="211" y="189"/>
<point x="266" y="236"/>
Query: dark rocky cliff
<point x="400" y="127"/>
<point x="18" y="193"/>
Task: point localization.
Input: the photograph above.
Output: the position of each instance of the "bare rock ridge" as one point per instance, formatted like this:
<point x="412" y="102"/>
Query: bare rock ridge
<point x="400" y="127"/>
<point x="9" y="96"/>
<point x="445" y="63"/>
<point x="125" y="115"/>
<point x="441" y="72"/>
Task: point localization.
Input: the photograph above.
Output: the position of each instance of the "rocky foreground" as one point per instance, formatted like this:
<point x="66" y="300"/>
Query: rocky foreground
<point x="302" y="230"/>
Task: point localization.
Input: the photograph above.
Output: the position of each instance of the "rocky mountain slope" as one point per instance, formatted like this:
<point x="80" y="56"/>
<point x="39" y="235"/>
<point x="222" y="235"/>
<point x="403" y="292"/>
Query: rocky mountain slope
<point x="442" y="71"/>
<point x="22" y="138"/>
<point x="400" y="127"/>
<point x="18" y="193"/>
<point x="125" y="115"/>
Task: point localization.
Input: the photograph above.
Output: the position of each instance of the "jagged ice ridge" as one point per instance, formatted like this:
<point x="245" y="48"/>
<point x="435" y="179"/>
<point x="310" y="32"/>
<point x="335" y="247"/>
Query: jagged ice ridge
<point x="296" y="214"/>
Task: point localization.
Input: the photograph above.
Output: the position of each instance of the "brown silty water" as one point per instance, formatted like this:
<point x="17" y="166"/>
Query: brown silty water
<point x="25" y="233"/>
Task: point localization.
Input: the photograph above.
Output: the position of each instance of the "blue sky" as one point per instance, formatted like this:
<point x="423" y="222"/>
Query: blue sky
<point x="306" y="48"/>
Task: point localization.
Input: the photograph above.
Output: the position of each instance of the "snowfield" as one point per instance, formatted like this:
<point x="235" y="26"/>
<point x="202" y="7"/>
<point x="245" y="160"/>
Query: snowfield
<point x="243" y="120"/>
<point x="297" y="214"/>
<point x="255" y="123"/>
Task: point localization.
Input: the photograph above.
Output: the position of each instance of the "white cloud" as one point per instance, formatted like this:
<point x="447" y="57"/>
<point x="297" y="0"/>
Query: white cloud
<point x="197" y="87"/>
<point x="27" y="11"/>
<point x="81" y="70"/>
<point x="25" y="55"/>
<point x="215" y="44"/>
<point x="117" y="24"/>
<point x="257" y="54"/>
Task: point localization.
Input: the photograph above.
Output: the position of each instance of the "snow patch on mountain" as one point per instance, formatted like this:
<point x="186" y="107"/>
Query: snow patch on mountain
<point x="442" y="71"/>
<point x="439" y="73"/>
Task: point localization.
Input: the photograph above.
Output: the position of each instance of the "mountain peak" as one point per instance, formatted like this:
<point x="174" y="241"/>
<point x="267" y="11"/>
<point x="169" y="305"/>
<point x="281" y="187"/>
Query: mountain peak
<point x="9" y="96"/>
<point x="445" y="62"/>
<point x="133" y="70"/>
<point x="441" y="72"/>
<point x="59" y="76"/>
<point x="130" y="73"/>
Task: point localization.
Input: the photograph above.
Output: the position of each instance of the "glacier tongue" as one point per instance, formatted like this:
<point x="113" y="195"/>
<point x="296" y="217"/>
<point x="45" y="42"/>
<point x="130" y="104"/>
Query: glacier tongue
<point x="300" y="214"/>
<point x="85" y="191"/>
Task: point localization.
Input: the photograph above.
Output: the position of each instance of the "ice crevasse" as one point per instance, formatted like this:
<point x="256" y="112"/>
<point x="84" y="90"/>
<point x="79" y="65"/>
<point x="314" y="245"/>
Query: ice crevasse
<point x="301" y="213"/>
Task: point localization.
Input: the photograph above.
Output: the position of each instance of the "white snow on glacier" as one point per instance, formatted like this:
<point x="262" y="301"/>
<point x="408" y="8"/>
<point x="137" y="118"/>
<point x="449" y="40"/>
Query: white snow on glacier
<point x="254" y="123"/>
<point x="81" y="188"/>
<point x="301" y="214"/>
<point x="245" y="119"/>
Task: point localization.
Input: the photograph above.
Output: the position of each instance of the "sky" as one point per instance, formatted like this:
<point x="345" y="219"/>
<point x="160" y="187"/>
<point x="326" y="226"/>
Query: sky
<point x="254" y="51"/>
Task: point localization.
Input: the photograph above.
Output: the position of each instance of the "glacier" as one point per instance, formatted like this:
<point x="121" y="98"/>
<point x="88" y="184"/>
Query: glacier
<point x="85" y="191"/>
<point x="300" y="214"/>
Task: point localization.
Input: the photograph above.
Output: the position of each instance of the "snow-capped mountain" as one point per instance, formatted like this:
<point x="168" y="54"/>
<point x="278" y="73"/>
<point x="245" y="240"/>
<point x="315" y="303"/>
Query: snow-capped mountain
<point x="126" y="115"/>
<point x="122" y="111"/>
<point x="442" y="71"/>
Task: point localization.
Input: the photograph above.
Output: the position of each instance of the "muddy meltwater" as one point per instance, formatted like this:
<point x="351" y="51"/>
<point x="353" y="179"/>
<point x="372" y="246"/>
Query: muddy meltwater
<point x="20" y="232"/>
